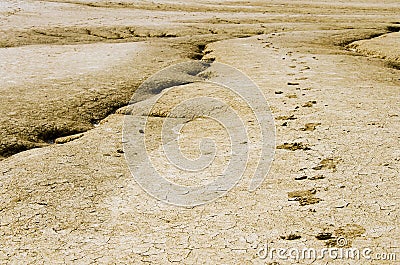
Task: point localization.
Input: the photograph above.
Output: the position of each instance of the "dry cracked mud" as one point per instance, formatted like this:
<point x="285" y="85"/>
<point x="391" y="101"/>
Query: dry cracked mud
<point x="71" y="75"/>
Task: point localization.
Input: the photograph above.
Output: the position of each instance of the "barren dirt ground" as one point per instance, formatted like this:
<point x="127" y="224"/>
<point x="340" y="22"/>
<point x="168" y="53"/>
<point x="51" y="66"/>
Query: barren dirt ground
<point x="68" y="70"/>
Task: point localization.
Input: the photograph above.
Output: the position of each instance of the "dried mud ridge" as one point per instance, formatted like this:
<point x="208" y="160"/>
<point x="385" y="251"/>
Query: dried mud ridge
<point x="80" y="35"/>
<point x="99" y="106"/>
<point x="79" y="115"/>
<point x="391" y="61"/>
<point x="189" y="38"/>
<point x="178" y="75"/>
<point x="388" y="29"/>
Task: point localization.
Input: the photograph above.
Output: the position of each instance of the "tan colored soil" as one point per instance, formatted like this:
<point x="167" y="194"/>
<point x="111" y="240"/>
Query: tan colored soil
<point x="69" y="68"/>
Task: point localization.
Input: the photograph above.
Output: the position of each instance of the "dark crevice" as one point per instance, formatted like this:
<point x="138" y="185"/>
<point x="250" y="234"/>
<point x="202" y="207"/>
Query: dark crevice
<point x="392" y="64"/>
<point x="51" y="134"/>
<point x="389" y="29"/>
<point x="47" y="133"/>
<point x="110" y="110"/>
<point x="14" y="148"/>
<point x="371" y="36"/>
<point x="176" y="75"/>
<point x="198" y="53"/>
<point x="393" y="28"/>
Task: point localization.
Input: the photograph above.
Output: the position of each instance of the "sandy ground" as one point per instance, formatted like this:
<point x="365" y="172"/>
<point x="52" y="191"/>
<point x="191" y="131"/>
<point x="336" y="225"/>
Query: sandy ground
<point x="329" y="75"/>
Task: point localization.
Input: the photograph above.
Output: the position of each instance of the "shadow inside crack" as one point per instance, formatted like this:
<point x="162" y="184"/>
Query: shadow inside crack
<point x="176" y="75"/>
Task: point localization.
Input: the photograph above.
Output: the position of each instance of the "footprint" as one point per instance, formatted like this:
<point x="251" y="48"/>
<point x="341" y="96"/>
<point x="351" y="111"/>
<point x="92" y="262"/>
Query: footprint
<point x="304" y="197"/>
<point x="301" y="78"/>
<point x="310" y="126"/>
<point x="309" y="104"/>
<point x="293" y="146"/>
<point x="291" y="117"/>
<point x="291" y="237"/>
<point x="327" y="163"/>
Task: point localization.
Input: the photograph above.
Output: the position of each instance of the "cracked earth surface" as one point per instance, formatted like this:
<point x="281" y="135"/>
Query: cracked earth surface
<point x="328" y="72"/>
